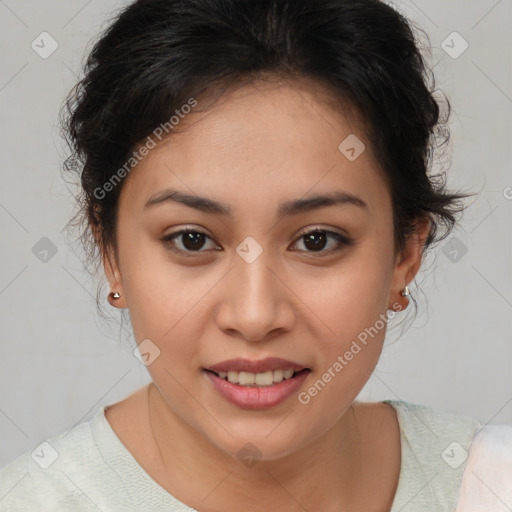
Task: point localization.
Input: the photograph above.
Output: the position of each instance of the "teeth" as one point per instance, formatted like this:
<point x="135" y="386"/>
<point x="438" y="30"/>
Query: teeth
<point x="263" y="379"/>
<point x="287" y="373"/>
<point x="245" y="379"/>
<point x="279" y="375"/>
<point x="256" y="379"/>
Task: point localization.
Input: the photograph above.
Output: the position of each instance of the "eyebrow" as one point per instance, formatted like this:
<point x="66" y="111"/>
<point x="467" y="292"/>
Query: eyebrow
<point x="287" y="208"/>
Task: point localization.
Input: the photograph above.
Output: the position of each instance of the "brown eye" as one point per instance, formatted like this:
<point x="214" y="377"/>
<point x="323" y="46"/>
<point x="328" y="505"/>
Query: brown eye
<point x="317" y="239"/>
<point x="189" y="240"/>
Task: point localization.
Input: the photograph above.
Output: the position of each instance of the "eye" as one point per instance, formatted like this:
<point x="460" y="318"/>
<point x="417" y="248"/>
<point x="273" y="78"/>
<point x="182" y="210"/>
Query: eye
<point x="316" y="240"/>
<point x="191" y="240"/>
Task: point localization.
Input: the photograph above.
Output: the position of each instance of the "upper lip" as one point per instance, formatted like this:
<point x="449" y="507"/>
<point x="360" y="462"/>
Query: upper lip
<point x="261" y="366"/>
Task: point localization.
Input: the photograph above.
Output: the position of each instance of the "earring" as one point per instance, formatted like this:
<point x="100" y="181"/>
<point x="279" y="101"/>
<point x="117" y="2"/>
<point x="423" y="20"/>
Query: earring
<point x="115" y="295"/>
<point x="405" y="292"/>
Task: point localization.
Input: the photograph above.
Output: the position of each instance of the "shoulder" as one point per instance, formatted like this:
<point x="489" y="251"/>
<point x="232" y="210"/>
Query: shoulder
<point x="63" y="472"/>
<point x="418" y="416"/>
<point x="424" y="427"/>
<point x="38" y="476"/>
<point x="487" y="479"/>
<point x="434" y="450"/>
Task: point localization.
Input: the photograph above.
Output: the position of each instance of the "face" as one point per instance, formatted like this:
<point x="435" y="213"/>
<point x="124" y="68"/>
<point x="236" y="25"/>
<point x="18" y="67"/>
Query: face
<point x="249" y="282"/>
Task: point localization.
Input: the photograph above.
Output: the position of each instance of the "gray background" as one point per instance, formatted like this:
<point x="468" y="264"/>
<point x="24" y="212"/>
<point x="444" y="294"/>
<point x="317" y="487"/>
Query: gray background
<point x="60" y="360"/>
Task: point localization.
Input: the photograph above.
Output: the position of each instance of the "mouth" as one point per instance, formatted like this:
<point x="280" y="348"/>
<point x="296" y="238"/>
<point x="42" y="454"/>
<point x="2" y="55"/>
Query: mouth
<point x="259" y="380"/>
<point x="256" y="366"/>
<point x="258" y="391"/>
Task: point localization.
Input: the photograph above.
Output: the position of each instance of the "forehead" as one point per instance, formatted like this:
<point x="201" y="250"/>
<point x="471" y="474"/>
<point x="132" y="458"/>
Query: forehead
<point x="263" y="141"/>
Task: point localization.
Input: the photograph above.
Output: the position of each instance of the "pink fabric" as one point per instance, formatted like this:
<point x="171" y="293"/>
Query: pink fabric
<point x="487" y="479"/>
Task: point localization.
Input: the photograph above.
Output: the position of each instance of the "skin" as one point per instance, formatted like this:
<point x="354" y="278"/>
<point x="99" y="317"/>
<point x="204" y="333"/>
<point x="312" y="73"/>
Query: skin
<point x="260" y="145"/>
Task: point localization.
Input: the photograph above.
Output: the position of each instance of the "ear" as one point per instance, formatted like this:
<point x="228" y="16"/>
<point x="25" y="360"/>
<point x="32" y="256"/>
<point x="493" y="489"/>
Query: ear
<point x="408" y="263"/>
<point x="112" y="272"/>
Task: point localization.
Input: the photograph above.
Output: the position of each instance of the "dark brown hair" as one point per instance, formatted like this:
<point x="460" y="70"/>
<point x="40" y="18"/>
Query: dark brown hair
<point x="157" y="54"/>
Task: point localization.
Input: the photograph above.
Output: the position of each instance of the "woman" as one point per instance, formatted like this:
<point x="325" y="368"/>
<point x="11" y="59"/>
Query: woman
<point x="255" y="179"/>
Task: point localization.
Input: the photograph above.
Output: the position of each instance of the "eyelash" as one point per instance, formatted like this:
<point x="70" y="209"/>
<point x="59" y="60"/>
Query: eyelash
<point x="343" y="241"/>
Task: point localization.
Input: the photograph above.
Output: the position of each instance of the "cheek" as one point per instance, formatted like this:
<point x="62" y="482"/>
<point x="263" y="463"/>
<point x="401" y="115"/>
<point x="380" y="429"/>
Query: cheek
<point x="348" y="297"/>
<point x="165" y="307"/>
<point x="169" y="302"/>
<point x="348" y="308"/>
<point x="345" y="364"/>
<point x="169" y="306"/>
<point x="159" y="292"/>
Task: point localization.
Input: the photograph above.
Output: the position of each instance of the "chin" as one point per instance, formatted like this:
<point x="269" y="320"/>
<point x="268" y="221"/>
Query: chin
<point x="253" y="443"/>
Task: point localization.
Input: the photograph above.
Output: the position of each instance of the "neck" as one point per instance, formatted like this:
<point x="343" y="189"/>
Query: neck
<point x="323" y="475"/>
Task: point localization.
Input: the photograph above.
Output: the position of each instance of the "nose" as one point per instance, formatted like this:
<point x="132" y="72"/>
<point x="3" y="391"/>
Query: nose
<point x="256" y="303"/>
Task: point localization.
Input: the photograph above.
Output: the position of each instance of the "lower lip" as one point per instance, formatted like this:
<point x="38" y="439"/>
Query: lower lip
<point x="258" y="398"/>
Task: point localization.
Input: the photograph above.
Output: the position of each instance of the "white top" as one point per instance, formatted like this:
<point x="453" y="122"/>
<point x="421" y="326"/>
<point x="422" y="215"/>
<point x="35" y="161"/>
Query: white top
<point x="487" y="480"/>
<point x="88" y="469"/>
